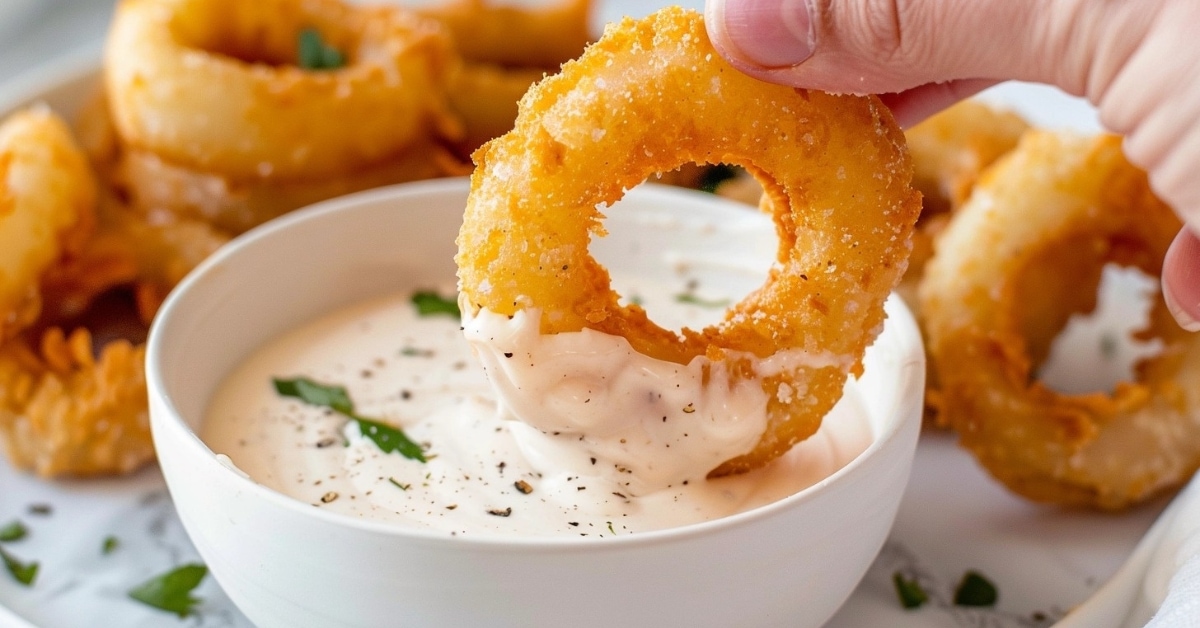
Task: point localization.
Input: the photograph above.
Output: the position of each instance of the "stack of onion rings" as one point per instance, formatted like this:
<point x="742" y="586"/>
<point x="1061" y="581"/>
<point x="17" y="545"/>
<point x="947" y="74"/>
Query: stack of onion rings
<point x="651" y="95"/>
<point x="1023" y="254"/>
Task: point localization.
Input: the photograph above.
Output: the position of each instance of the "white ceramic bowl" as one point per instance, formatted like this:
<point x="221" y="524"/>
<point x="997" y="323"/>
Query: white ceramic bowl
<point x="286" y="563"/>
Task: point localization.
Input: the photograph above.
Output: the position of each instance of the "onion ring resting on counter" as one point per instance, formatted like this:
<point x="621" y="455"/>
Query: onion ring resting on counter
<point x="649" y="96"/>
<point x="214" y="86"/>
<point x="1023" y="254"/>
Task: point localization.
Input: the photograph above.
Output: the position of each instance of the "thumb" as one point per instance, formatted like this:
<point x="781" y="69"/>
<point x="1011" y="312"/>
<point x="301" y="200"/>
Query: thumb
<point x="1181" y="279"/>
<point x="928" y="53"/>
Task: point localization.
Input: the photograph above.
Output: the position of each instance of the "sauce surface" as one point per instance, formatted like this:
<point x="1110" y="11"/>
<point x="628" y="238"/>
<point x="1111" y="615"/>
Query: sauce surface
<point x="486" y="475"/>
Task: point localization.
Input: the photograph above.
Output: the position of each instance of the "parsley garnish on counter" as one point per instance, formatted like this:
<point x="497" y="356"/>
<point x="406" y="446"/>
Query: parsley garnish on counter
<point x="389" y="439"/>
<point x="909" y="591"/>
<point x="975" y="590"/>
<point x="429" y="303"/>
<point x="312" y="53"/>
<point x="172" y="590"/>
<point x="13" y="531"/>
<point x="23" y="572"/>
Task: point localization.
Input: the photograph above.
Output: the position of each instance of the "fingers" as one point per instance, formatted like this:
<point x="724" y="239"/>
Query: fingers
<point x="914" y="105"/>
<point x="1181" y="279"/>
<point x="880" y="46"/>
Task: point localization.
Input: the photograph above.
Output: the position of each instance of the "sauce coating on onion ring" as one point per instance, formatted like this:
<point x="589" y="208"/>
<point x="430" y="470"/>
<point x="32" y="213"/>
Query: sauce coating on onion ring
<point x="649" y="96"/>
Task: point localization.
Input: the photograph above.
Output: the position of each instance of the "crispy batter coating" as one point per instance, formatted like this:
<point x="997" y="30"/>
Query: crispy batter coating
<point x="47" y="195"/>
<point x="66" y="411"/>
<point x="1022" y="255"/>
<point x="649" y="96"/>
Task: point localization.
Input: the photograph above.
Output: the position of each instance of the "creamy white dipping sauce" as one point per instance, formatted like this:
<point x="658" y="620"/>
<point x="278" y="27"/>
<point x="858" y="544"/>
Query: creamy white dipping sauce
<point x="486" y="476"/>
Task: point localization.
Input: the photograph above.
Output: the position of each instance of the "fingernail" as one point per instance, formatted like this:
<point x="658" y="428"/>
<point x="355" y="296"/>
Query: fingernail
<point x="766" y="33"/>
<point x="1181" y="280"/>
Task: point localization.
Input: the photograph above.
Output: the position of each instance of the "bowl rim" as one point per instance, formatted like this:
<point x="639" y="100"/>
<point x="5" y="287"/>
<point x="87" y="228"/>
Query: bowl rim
<point x="899" y="319"/>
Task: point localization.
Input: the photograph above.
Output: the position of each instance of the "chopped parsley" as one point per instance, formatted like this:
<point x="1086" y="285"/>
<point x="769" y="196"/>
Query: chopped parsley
<point x="312" y="53"/>
<point x="714" y="176"/>
<point x="430" y="303"/>
<point x="13" y="531"/>
<point x="692" y="299"/>
<point x="172" y="590"/>
<point x="22" y="572"/>
<point x="975" y="590"/>
<point x="388" y="438"/>
<point x="403" y="487"/>
<point x="110" y="544"/>
<point x="909" y="591"/>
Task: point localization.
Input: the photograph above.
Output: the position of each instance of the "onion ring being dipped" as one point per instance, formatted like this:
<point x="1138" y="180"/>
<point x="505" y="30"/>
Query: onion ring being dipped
<point x="214" y="86"/>
<point x="649" y="96"/>
<point x="47" y="197"/>
<point x="1022" y="255"/>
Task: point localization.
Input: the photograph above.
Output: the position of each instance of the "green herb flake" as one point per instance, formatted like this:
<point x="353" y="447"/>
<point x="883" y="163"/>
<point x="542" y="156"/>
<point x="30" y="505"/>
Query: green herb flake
<point x="312" y="53"/>
<point x="430" y="303"/>
<point x="975" y="590"/>
<point x="110" y="544"/>
<point x="692" y="299"/>
<point x="389" y="439"/>
<point x="397" y="484"/>
<point x="714" y="176"/>
<point x="909" y="591"/>
<point x="316" y="394"/>
<point x="13" y="531"/>
<point x="172" y="590"/>
<point x="22" y="572"/>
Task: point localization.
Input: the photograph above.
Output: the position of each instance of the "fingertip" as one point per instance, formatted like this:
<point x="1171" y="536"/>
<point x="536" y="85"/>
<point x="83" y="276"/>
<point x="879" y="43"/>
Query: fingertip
<point x="759" y="35"/>
<point x="1181" y="279"/>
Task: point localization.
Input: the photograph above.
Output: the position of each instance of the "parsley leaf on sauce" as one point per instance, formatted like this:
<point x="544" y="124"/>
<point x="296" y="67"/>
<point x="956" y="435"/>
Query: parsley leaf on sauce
<point x="172" y="590"/>
<point x="23" y="572"/>
<point x="388" y="438"/>
<point x="909" y="591"/>
<point x="975" y="590"/>
<point x="110" y="544"/>
<point x="429" y="303"/>
<point x="312" y="53"/>
<point x="692" y="299"/>
<point x="13" y="531"/>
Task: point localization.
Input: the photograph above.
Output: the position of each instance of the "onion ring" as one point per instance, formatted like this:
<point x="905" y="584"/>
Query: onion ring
<point x="64" y="411"/>
<point x="514" y="36"/>
<point x="47" y="195"/>
<point x="1022" y="255"/>
<point x="651" y="95"/>
<point x="268" y="117"/>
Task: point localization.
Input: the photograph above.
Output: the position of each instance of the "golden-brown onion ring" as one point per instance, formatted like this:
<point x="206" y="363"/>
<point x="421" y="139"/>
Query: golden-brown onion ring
<point x="512" y="36"/>
<point x="152" y="183"/>
<point x="213" y="85"/>
<point x="484" y="96"/>
<point x="47" y="194"/>
<point x="651" y="95"/>
<point x="65" y="411"/>
<point x="1019" y="258"/>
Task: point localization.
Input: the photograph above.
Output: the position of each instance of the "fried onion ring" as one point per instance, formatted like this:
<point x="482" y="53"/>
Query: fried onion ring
<point x="494" y="33"/>
<point x="649" y="96"/>
<point x="213" y="85"/>
<point x="1023" y="254"/>
<point x="65" y="411"/>
<point x="47" y="194"/>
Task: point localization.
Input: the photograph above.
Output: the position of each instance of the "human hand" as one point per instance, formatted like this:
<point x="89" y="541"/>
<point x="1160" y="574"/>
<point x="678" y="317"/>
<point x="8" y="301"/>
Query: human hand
<point x="1138" y="62"/>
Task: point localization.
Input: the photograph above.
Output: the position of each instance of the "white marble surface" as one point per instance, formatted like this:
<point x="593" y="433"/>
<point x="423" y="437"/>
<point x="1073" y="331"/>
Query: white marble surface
<point x="954" y="518"/>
